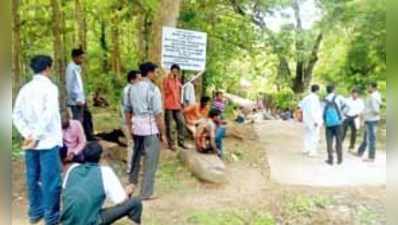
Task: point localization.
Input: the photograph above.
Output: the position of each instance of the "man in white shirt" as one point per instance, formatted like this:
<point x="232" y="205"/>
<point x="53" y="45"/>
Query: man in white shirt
<point x="37" y="117"/>
<point x="312" y="118"/>
<point x="188" y="96"/>
<point x="76" y="98"/>
<point x="372" y="117"/>
<point x="355" y="107"/>
<point x="87" y="186"/>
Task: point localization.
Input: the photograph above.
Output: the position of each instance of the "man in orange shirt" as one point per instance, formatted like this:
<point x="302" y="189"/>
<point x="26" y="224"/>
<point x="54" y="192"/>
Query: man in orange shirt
<point x="195" y="113"/>
<point x="172" y="99"/>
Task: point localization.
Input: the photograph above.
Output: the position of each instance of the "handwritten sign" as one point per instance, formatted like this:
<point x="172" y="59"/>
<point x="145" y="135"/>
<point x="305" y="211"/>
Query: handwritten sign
<point x="184" y="47"/>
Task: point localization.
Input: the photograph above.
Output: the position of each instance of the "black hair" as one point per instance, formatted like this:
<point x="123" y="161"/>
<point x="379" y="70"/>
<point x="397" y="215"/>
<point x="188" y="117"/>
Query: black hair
<point x="175" y="66"/>
<point x="146" y="68"/>
<point x="92" y="152"/>
<point x="214" y="112"/>
<point x="330" y="89"/>
<point x="39" y="63"/>
<point x="218" y="93"/>
<point x="204" y="100"/>
<point x="132" y="75"/>
<point x="76" y="52"/>
<point x="315" y="88"/>
<point x="374" y="85"/>
<point x="355" y="90"/>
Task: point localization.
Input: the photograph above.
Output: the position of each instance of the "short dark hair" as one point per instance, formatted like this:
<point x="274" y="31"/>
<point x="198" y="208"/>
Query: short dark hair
<point x="76" y="52"/>
<point x="132" y="75"/>
<point x="146" y="68"/>
<point x="39" y="63"/>
<point x="175" y="66"/>
<point x="204" y="100"/>
<point x="330" y="89"/>
<point x="315" y="88"/>
<point x="355" y="90"/>
<point x="219" y="93"/>
<point x="214" y="112"/>
<point x="92" y="152"/>
<point x="374" y="85"/>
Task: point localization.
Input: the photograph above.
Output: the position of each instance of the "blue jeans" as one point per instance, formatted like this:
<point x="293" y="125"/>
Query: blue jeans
<point x="43" y="179"/>
<point x="220" y="134"/>
<point x="369" y="139"/>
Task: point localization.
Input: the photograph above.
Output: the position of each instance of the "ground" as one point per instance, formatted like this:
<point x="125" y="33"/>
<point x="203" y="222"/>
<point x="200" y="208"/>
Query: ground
<point x="251" y="196"/>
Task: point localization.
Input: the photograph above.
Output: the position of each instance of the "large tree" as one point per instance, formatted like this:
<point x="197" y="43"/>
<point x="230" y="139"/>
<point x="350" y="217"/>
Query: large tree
<point x="305" y="60"/>
<point x="16" y="43"/>
<point x="58" y="45"/>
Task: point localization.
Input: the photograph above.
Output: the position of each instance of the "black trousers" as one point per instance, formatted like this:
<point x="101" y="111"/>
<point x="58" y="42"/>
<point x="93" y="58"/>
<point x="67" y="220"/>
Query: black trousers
<point x="131" y="208"/>
<point x="179" y="119"/>
<point x="82" y="114"/>
<point x="349" y="123"/>
<point x="334" y="133"/>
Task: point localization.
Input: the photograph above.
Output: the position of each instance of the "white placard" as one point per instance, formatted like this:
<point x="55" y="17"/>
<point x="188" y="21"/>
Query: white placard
<point x="184" y="47"/>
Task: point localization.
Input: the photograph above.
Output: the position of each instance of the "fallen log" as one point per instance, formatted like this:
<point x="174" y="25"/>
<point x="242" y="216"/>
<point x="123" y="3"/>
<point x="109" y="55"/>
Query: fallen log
<point x="206" y="167"/>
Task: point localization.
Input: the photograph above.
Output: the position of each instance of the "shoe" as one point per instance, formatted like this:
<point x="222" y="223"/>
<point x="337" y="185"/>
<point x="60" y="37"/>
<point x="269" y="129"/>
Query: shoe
<point x="184" y="146"/>
<point x="35" y="221"/>
<point x="369" y="160"/>
<point x="340" y="162"/>
<point x="329" y="162"/>
<point x="150" y="198"/>
<point x="173" y="148"/>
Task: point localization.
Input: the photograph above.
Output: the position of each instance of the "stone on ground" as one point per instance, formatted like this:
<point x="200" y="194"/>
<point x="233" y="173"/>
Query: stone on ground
<point x="206" y="167"/>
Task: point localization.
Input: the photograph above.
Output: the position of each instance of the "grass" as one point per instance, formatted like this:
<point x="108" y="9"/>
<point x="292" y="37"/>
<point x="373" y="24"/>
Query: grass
<point x="230" y="217"/>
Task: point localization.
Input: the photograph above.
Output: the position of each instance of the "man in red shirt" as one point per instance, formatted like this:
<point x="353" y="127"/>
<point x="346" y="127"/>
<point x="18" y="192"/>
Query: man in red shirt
<point x="173" y="109"/>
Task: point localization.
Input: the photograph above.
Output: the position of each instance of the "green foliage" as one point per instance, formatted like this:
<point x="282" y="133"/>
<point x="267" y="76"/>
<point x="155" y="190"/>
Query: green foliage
<point x="303" y="206"/>
<point x="285" y="99"/>
<point x="16" y="144"/>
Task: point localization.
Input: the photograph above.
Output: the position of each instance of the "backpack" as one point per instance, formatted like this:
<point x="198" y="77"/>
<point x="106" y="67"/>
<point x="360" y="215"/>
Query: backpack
<point x="332" y="115"/>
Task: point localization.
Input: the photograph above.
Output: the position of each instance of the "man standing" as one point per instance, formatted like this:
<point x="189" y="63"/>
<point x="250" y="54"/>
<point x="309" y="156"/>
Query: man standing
<point x="36" y="116"/>
<point x="172" y="98"/>
<point x="132" y="78"/>
<point x="312" y="118"/>
<point x="333" y="119"/>
<point x="144" y="117"/>
<point x="355" y="108"/>
<point x="372" y="117"/>
<point x="188" y="96"/>
<point x="75" y="90"/>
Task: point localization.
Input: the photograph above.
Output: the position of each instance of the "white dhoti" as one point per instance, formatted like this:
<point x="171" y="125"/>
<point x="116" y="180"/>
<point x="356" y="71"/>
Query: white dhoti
<point x="311" y="140"/>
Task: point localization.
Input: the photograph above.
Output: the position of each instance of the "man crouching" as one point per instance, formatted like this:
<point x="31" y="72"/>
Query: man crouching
<point x="86" y="187"/>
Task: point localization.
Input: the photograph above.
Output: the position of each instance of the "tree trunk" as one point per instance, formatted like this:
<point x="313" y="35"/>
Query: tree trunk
<point x="58" y="44"/>
<point x="302" y="81"/>
<point x="115" y="54"/>
<point x="104" y="47"/>
<point x="144" y="24"/>
<point x="16" y="44"/>
<point x="80" y="20"/>
<point x="166" y="15"/>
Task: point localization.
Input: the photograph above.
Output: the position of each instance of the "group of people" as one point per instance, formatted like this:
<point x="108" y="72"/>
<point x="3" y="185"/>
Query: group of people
<point x="339" y="115"/>
<point x="63" y="156"/>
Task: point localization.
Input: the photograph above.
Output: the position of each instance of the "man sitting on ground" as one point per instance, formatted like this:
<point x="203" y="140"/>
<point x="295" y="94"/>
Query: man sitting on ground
<point x="86" y="187"/>
<point x="210" y="134"/>
<point x="195" y="113"/>
<point x="74" y="139"/>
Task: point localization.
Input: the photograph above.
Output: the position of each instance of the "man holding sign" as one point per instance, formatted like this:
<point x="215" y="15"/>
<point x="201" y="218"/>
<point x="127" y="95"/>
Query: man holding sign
<point x="172" y="101"/>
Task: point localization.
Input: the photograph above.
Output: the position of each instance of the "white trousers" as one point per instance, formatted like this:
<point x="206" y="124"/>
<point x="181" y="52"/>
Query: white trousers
<point x="311" y="140"/>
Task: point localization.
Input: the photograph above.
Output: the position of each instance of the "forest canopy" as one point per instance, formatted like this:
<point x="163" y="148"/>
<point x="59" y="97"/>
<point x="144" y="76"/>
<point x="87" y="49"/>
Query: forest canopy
<point x="267" y="46"/>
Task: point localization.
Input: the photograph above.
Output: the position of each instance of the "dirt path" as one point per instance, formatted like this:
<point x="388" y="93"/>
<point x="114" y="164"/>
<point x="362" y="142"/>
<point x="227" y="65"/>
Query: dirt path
<point x="284" y="143"/>
<point x="248" y="193"/>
